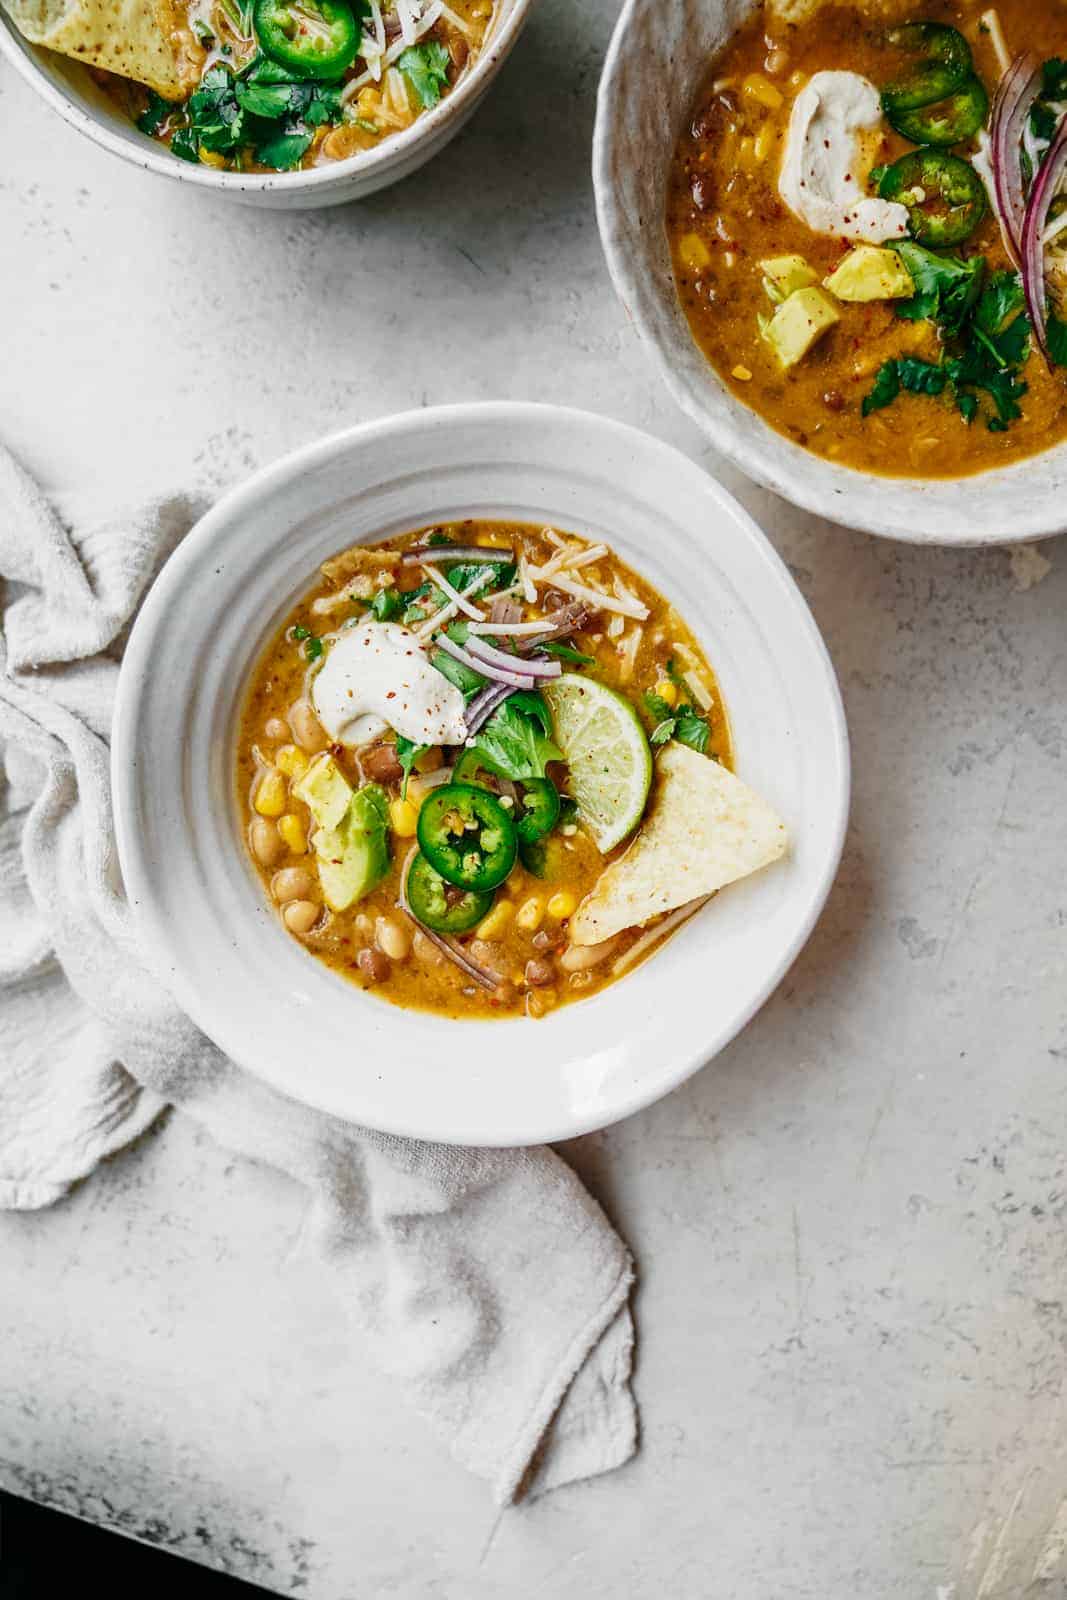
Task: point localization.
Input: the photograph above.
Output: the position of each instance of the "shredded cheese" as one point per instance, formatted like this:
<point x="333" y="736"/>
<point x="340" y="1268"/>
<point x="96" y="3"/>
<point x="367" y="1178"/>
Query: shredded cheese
<point x="447" y="612"/>
<point x="526" y="583"/>
<point x="509" y="628"/>
<point x="991" y="19"/>
<point x="396" y="49"/>
<point x="455" y="595"/>
<point x="599" y="600"/>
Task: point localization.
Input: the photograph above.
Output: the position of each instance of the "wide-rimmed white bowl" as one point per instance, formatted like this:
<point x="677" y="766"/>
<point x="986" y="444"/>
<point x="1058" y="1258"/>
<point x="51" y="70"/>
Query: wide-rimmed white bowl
<point x="206" y="925"/>
<point x="659" y="54"/>
<point x="66" y="86"/>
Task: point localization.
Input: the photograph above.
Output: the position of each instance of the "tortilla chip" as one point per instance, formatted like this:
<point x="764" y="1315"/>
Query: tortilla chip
<point x="705" y="829"/>
<point x="147" y="40"/>
<point x="359" y="561"/>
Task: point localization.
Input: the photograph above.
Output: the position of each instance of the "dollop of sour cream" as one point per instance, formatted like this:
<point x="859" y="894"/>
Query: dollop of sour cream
<point x="829" y="150"/>
<point x="377" y="676"/>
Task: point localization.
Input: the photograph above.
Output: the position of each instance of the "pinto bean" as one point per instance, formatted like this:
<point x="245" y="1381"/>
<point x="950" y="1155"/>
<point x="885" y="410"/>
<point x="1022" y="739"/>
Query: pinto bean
<point x="538" y="973"/>
<point x="374" y="966"/>
<point x="381" y="763"/>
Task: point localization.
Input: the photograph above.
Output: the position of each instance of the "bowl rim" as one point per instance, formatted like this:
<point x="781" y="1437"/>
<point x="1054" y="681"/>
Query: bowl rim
<point x="153" y="158"/>
<point x="848" y="499"/>
<point x="200" y="546"/>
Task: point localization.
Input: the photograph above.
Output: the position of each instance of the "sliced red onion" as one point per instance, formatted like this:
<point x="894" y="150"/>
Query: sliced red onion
<point x="487" y="656"/>
<point x="453" y="552"/>
<point x="483" y="705"/>
<point x="1042" y="193"/>
<point x="1016" y="93"/>
<point x="447" y="946"/>
<point x="514" y="674"/>
<point x="568" y="619"/>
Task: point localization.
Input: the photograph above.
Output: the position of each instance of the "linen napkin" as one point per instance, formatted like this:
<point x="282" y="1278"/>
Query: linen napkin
<point x="488" y="1280"/>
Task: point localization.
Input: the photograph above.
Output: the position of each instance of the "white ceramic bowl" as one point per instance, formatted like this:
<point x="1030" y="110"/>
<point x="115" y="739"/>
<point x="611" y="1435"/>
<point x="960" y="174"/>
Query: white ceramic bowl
<point x="658" y="56"/>
<point x="219" y="945"/>
<point x="66" y="86"/>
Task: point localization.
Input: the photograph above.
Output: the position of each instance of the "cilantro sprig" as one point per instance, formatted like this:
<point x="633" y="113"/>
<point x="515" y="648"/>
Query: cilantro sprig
<point x="425" y="66"/>
<point x="984" y="330"/>
<point x="262" y="106"/>
<point x="682" y="722"/>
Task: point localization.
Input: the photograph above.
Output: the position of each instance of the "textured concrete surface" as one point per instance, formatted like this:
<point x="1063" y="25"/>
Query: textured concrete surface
<point x="853" y="1301"/>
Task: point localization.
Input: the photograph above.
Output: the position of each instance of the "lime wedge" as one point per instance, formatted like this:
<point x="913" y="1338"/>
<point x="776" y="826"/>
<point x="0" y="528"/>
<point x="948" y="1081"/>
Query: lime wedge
<point x="605" y="747"/>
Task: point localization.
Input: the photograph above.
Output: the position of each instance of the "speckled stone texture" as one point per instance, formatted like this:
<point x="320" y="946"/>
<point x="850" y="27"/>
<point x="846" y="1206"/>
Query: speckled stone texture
<point x="853" y="1337"/>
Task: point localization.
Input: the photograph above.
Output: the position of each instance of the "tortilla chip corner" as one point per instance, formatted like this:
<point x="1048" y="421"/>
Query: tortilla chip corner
<point x="706" y="828"/>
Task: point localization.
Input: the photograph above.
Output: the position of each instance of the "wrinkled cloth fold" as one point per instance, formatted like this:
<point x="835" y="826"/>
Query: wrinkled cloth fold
<point x="488" y="1281"/>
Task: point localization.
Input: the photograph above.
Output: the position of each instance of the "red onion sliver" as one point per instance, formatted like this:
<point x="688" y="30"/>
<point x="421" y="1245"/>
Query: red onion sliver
<point x="1016" y="93"/>
<point x="448" y="947"/>
<point x="515" y="674"/>
<point x="485" y="702"/>
<point x="1042" y="193"/>
<point x="487" y="656"/>
<point x="453" y="552"/>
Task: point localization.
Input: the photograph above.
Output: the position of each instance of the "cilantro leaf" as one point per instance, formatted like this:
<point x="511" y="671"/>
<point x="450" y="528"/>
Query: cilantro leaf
<point x="269" y="100"/>
<point x="313" y="648"/>
<point x="514" y="743"/>
<point x="1056" y="334"/>
<point x="533" y="704"/>
<point x="658" y="707"/>
<point x="155" y="113"/>
<point x="385" y="605"/>
<point x="684" y="724"/>
<point x="945" y="287"/>
<point x="461" y="574"/>
<point x="920" y="377"/>
<point x="284" y="151"/>
<point x="184" y="144"/>
<point x="426" y="68"/>
<point x="885" y="390"/>
<point x="407" y="753"/>
<point x="566" y="652"/>
<point x="692" y="730"/>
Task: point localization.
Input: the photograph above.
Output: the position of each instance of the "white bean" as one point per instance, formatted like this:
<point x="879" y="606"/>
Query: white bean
<point x="300" y="916"/>
<point x="292" y="883"/>
<point x="266" y="841"/>
<point x="307" y="730"/>
<point x="392" y="939"/>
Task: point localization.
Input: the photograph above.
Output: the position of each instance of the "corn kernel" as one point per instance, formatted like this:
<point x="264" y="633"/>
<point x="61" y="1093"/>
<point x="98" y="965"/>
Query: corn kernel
<point x="293" y="832"/>
<point x="746" y="154"/>
<point x="694" y="252"/>
<point x="494" y="922"/>
<point x="563" y="904"/>
<point x="404" y="818"/>
<point x="667" y="691"/>
<point x="742" y="374"/>
<point x="762" y="90"/>
<point x="530" y="913"/>
<point x="211" y="158"/>
<point x="271" y="794"/>
<point x="291" y="760"/>
<point x="764" y="142"/>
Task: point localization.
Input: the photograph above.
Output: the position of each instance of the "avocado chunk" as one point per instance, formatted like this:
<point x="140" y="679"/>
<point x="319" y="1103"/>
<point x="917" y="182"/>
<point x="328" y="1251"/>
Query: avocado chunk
<point x="784" y="275"/>
<point x="798" y="323"/>
<point x="325" y="791"/>
<point x="870" y="273"/>
<point x="354" y="856"/>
